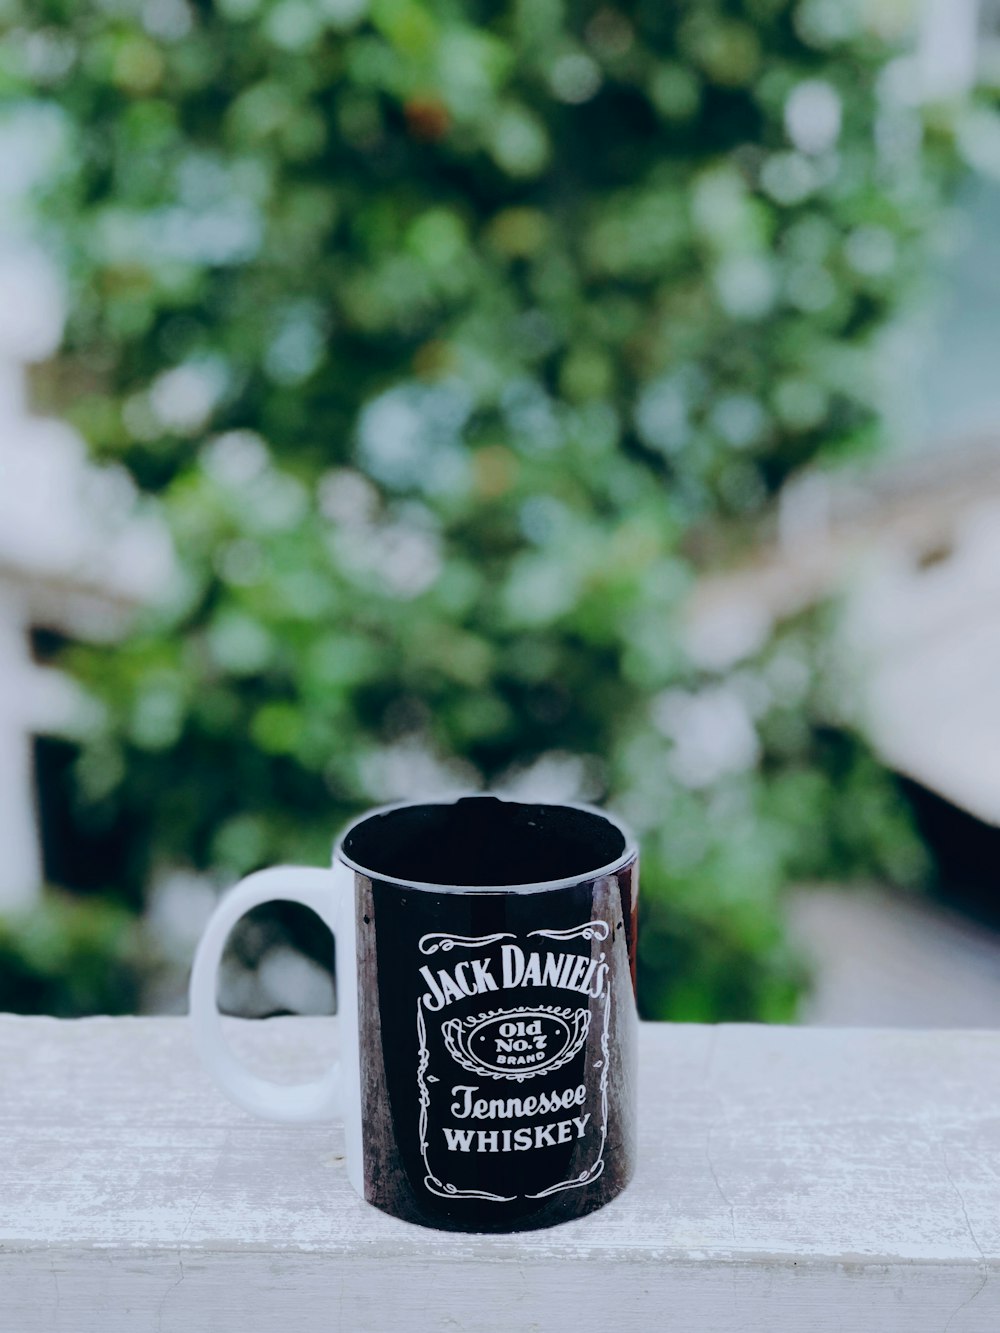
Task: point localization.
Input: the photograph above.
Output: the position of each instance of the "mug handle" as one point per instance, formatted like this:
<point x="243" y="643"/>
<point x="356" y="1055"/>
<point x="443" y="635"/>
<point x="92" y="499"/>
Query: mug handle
<point x="323" y="892"/>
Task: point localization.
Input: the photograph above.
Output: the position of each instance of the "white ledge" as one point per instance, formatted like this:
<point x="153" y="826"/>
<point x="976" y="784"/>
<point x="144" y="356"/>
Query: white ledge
<point x="801" y="1179"/>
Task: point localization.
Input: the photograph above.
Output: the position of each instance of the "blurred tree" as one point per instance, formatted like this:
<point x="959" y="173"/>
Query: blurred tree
<point x="453" y="339"/>
<point x="71" y="957"/>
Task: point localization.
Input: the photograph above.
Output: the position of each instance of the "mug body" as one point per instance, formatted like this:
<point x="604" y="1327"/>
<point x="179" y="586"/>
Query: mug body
<point x="487" y="1000"/>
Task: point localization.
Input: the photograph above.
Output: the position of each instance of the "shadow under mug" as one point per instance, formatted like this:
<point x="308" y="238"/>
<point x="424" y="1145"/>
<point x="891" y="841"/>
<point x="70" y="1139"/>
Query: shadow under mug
<point x="485" y="970"/>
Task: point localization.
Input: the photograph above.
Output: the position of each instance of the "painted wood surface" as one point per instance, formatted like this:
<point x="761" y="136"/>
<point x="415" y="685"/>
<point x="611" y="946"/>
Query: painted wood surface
<point x="789" y="1179"/>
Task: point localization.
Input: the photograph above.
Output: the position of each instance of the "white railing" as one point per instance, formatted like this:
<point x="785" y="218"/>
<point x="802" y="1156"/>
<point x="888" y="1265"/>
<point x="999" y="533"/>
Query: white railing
<point x="791" y="1179"/>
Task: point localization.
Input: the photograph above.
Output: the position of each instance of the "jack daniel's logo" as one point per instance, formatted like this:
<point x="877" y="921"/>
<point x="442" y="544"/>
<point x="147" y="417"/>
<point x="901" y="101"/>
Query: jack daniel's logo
<point x="516" y="1043"/>
<point x="520" y="1042"/>
<point x="563" y="971"/>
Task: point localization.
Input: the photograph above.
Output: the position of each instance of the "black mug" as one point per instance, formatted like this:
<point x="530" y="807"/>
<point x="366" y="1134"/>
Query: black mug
<point x="486" y="999"/>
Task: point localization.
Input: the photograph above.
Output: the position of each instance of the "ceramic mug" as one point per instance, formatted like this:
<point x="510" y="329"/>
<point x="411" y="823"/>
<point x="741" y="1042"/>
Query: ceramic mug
<point x="485" y="972"/>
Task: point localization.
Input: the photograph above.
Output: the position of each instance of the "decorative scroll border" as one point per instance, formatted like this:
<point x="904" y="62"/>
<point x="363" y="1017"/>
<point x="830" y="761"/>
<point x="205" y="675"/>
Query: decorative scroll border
<point x="444" y="1189"/>
<point x="445" y="941"/>
<point x="592" y="1172"/>
<point x="590" y="930"/>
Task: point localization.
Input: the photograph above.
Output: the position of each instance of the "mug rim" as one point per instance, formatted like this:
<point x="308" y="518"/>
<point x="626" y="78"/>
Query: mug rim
<point x="631" y="849"/>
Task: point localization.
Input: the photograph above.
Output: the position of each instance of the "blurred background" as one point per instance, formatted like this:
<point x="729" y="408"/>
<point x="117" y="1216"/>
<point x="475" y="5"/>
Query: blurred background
<point x="580" y="400"/>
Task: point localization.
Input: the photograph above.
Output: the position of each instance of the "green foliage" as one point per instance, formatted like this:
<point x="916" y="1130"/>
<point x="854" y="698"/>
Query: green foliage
<point x="70" y="957"/>
<point x="453" y="340"/>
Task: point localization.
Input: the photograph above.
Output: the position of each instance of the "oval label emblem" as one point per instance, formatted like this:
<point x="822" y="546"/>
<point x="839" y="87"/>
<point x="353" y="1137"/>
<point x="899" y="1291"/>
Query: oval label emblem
<point x="516" y="1043"/>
